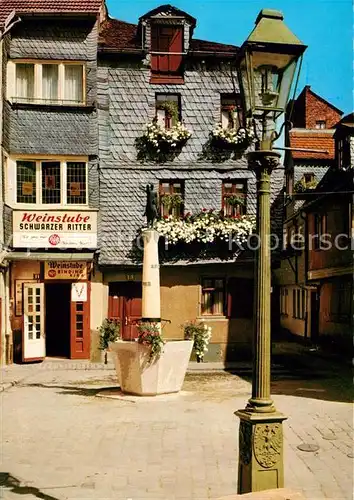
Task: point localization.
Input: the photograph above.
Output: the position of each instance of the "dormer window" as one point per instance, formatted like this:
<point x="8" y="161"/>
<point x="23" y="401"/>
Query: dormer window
<point x="166" y="54"/>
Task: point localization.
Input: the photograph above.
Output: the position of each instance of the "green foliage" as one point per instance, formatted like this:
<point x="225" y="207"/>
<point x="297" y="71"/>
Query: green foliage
<point x="234" y="200"/>
<point x="171" y="108"/>
<point x="171" y="200"/>
<point x="200" y="333"/>
<point x="149" y="335"/>
<point x="301" y="186"/>
<point x="109" y="332"/>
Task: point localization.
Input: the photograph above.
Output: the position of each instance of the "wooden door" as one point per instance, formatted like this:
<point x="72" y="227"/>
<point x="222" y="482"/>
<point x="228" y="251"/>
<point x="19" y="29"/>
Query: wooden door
<point x="33" y="336"/>
<point x="80" y="328"/>
<point x="125" y="306"/>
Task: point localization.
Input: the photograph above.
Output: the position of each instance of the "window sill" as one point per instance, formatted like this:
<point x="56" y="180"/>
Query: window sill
<point x="161" y="80"/>
<point x="212" y="318"/>
<point x="49" y="208"/>
<point x="51" y="104"/>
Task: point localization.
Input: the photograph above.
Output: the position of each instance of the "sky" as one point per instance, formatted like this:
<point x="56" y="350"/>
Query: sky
<point x="325" y="26"/>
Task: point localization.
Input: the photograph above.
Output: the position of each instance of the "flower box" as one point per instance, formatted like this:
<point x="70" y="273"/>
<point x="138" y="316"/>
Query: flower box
<point x="164" y="375"/>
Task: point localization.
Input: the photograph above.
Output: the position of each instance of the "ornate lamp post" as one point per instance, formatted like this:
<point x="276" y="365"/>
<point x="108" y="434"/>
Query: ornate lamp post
<point x="267" y="64"/>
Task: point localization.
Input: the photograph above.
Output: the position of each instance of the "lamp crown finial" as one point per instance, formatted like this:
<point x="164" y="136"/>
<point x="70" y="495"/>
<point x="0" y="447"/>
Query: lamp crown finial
<point x="270" y="14"/>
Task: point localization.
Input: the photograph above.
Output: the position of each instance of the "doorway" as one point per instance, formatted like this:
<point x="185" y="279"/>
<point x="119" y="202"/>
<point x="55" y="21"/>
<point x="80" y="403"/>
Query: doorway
<point x="57" y="319"/>
<point x="125" y="306"/>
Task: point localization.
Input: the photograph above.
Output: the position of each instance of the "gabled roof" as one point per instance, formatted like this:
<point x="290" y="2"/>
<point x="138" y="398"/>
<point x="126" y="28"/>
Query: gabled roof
<point x="346" y="121"/>
<point x="48" y="7"/>
<point x="172" y="11"/>
<point x="120" y="36"/>
<point x="307" y="88"/>
<point x="312" y="139"/>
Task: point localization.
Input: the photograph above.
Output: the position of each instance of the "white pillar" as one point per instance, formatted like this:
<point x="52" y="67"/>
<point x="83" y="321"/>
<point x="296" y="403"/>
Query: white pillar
<point x="151" y="307"/>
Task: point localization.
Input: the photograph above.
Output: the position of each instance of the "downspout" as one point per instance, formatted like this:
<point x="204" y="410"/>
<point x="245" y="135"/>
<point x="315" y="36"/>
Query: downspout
<point x="304" y="217"/>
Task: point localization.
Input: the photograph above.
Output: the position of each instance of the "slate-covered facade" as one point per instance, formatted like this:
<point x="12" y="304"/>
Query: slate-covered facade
<point x="128" y="90"/>
<point x="50" y="167"/>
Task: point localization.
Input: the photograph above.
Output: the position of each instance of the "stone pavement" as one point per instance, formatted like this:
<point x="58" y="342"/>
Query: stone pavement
<point x="60" y="441"/>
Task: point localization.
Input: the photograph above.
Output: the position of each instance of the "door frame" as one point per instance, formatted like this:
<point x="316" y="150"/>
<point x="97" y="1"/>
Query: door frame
<point x="42" y="313"/>
<point x="85" y="354"/>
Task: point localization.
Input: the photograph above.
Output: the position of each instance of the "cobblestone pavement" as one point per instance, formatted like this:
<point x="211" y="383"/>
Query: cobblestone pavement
<point x="60" y="441"/>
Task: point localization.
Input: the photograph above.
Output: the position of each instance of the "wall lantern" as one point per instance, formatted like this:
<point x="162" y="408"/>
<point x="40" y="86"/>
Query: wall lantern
<point x="267" y="64"/>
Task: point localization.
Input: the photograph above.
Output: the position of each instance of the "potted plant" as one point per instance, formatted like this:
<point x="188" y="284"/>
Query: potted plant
<point x="150" y="365"/>
<point x="171" y="201"/>
<point x="109" y="332"/>
<point x="149" y="335"/>
<point x="200" y="333"/>
<point x="234" y="200"/>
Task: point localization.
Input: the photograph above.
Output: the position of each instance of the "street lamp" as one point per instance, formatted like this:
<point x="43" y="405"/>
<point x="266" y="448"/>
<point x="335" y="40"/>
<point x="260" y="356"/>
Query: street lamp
<point x="267" y="65"/>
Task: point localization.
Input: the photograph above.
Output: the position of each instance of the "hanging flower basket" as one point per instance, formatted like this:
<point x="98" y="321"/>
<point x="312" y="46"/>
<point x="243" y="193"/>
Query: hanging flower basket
<point x="160" y="140"/>
<point x="232" y="139"/>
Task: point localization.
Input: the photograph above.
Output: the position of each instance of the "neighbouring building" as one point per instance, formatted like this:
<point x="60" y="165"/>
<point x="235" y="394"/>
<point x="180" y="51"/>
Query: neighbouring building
<point x="157" y="70"/>
<point x="50" y="164"/>
<point x="309" y="165"/>
<point x="330" y="267"/>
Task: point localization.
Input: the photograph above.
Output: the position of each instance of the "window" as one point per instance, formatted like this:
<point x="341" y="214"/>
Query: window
<point x="309" y="177"/>
<point x="25" y="81"/>
<point x="231" y="111"/>
<point x="76" y="183"/>
<point x="168" y="110"/>
<point x="284" y="301"/>
<point x="340" y="302"/>
<point x="213" y="290"/>
<point x="51" y="182"/>
<point x="320" y="124"/>
<point x="46" y="82"/>
<point x="299" y="303"/>
<point x="171" y="198"/>
<point x="26" y="182"/>
<point x="320" y="229"/>
<point x="343" y="153"/>
<point x="240" y="298"/>
<point x="166" y="54"/>
<point x="234" y="198"/>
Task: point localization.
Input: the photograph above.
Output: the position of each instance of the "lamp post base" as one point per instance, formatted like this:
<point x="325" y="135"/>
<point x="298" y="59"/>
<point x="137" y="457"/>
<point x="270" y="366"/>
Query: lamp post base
<point x="260" y="463"/>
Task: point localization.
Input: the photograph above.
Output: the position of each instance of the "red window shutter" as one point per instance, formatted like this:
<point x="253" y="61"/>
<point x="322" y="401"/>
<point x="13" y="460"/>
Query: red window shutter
<point x="176" y="45"/>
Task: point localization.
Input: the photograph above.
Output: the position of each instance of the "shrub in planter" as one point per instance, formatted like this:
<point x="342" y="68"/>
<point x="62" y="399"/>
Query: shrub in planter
<point x="149" y="335"/>
<point x="230" y="138"/>
<point x="200" y="333"/>
<point x="109" y="332"/>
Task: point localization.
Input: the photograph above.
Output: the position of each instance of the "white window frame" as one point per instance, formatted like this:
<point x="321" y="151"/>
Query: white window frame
<point x="11" y="181"/>
<point x="38" y="93"/>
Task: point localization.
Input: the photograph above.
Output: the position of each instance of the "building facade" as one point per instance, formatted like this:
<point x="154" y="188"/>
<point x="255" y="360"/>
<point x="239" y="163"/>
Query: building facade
<point x="50" y="167"/>
<point x="145" y="70"/>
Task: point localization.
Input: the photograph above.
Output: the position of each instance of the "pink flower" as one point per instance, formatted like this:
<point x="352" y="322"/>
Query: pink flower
<point x="204" y="210"/>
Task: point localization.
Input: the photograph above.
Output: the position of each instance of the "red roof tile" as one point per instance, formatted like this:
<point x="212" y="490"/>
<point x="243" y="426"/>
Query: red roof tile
<point x="312" y="140"/>
<point x="48" y="6"/>
<point x="122" y="36"/>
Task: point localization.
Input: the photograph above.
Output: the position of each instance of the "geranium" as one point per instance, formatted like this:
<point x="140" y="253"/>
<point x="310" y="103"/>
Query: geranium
<point x="200" y="333"/>
<point x="150" y="336"/>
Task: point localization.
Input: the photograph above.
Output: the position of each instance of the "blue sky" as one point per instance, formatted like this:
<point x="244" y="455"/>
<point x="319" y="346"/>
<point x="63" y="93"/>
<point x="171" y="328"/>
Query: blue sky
<point x="324" y="25"/>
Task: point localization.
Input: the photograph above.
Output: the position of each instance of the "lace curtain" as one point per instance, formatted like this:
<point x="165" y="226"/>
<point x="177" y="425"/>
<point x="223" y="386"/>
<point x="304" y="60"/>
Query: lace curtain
<point x="50" y="81"/>
<point x="73" y="83"/>
<point x="25" y="81"/>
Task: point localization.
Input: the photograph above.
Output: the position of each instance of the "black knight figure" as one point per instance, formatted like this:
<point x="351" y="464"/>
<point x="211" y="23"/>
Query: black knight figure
<point x="151" y="210"/>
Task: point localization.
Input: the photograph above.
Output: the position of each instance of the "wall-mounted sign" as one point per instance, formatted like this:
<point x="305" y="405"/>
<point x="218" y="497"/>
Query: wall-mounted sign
<point x="79" y="292"/>
<point x="66" y="270"/>
<point x="59" y="229"/>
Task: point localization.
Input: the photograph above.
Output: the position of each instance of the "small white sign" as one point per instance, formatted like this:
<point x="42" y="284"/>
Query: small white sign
<point x="79" y="292"/>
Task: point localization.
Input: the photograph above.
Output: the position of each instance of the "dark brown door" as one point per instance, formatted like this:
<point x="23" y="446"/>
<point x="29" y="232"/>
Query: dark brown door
<point x="125" y="306"/>
<point x="80" y="328"/>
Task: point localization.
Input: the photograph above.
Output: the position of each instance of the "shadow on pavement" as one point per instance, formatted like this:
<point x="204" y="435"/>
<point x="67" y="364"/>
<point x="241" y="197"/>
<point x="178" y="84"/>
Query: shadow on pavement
<point x="72" y="390"/>
<point x="14" y="485"/>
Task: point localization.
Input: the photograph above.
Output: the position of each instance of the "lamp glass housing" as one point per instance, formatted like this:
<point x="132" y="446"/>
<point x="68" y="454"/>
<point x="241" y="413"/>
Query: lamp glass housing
<point x="266" y="75"/>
